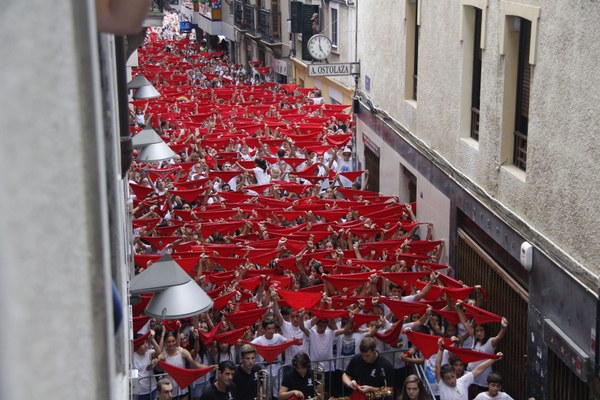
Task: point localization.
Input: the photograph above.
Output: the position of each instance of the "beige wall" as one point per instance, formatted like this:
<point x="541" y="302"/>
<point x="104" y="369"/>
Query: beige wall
<point x="559" y="194"/>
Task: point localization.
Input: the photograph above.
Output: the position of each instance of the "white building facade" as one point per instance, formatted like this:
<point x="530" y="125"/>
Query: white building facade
<point x="483" y="112"/>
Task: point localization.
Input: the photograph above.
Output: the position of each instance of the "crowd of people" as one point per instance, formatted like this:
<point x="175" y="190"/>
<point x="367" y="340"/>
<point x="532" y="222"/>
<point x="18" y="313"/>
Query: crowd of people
<point x="321" y="288"/>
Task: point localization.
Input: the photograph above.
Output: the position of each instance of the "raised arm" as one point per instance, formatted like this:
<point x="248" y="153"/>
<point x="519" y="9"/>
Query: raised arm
<point x="478" y="370"/>
<point x="503" y="326"/>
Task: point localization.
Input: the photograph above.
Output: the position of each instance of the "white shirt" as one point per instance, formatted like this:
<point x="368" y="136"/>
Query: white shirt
<point x="486" y="347"/>
<point x="500" y="396"/>
<point x="291" y="332"/>
<point x="321" y="347"/>
<point x="460" y="391"/>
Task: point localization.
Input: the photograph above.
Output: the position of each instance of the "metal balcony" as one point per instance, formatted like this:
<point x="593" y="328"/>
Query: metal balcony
<point x="249" y="19"/>
<point x="238" y="15"/>
<point x="269" y="26"/>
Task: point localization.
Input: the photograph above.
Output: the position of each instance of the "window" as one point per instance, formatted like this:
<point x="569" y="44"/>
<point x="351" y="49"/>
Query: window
<point x="476" y="76"/>
<point x="472" y="36"/>
<point x="412" y="48"/>
<point x="334" y="27"/>
<point x="517" y="44"/>
<point x="522" y="99"/>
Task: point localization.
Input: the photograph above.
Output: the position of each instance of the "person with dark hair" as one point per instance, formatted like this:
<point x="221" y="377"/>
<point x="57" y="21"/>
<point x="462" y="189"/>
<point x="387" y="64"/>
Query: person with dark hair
<point x="413" y="389"/>
<point x="271" y="338"/>
<point x="144" y="360"/>
<point x="367" y="372"/>
<point x="245" y="376"/>
<point x="299" y="382"/>
<point x="494" y="382"/>
<point x="223" y="388"/>
<point x="178" y="356"/>
<point x="483" y="342"/>
<point x="451" y="388"/>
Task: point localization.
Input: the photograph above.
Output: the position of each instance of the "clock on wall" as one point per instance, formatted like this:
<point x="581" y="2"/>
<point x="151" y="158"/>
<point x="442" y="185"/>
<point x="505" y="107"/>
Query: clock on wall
<point x="319" y="46"/>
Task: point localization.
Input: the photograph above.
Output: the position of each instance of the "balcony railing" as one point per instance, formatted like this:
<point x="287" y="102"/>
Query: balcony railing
<point x="269" y="26"/>
<point x="238" y="15"/>
<point x="249" y="17"/>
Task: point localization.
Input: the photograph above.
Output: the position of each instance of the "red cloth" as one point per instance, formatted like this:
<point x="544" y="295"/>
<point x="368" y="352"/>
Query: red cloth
<point x="141" y="192"/>
<point x="480" y="315"/>
<point x="450" y="316"/>
<point x="139" y="308"/>
<point x="270" y="353"/>
<point x="358" y="395"/>
<point x="403" y="279"/>
<point x="459" y="293"/>
<point x="219" y="278"/>
<point x="250" y="283"/>
<point x="468" y="356"/>
<point x="298" y="301"/>
<point x="137" y="343"/>
<point x="221" y="302"/>
<point x="391" y="335"/>
<point x="186" y="263"/>
<point x="139" y="322"/>
<point x="361" y="319"/>
<point x="282" y="282"/>
<point x="184" y="377"/>
<point x="172" y="325"/>
<point x="231" y="337"/>
<point x="329" y="313"/>
<point x="401" y="308"/>
<point x="208" y="338"/>
<point x="246" y="318"/>
<point x="141" y="260"/>
<point x="427" y="344"/>
<point x="189" y="195"/>
<point x="159" y="242"/>
<point x="346" y="283"/>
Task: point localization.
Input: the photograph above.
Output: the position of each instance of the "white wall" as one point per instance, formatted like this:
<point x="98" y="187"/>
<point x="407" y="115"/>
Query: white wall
<point x="54" y="271"/>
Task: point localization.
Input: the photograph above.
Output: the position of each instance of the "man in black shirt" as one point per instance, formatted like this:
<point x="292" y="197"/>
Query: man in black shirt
<point x="245" y="376"/>
<point x="367" y="372"/>
<point x="223" y="388"/>
<point x="299" y="381"/>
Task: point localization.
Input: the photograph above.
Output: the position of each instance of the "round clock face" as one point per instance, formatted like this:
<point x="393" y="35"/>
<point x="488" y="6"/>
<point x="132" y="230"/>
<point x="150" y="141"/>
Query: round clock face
<point x="319" y="47"/>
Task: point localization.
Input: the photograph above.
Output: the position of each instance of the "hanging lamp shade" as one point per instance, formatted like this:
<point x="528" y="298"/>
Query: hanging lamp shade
<point x="156" y="152"/>
<point x="145" y="137"/>
<point x="179" y="301"/>
<point x="162" y="274"/>
<point x="137" y="82"/>
<point x="146" y="92"/>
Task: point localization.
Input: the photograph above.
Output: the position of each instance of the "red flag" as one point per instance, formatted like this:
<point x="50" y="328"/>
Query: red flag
<point x="137" y="343"/>
<point x="459" y="293"/>
<point x="391" y="335"/>
<point x="403" y="279"/>
<point x="296" y="301"/>
<point x="361" y="319"/>
<point x="427" y="344"/>
<point x="221" y="302"/>
<point x="400" y="308"/>
<point x="468" y="356"/>
<point x="270" y="353"/>
<point x="246" y="318"/>
<point x="346" y="283"/>
<point x="231" y="337"/>
<point x="184" y="377"/>
<point x="139" y="322"/>
<point x="209" y="337"/>
<point x="480" y="315"/>
<point x="329" y="313"/>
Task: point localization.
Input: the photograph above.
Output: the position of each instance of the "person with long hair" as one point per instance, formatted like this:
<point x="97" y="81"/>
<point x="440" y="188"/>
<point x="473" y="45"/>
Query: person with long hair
<point x="413" y="389"/>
